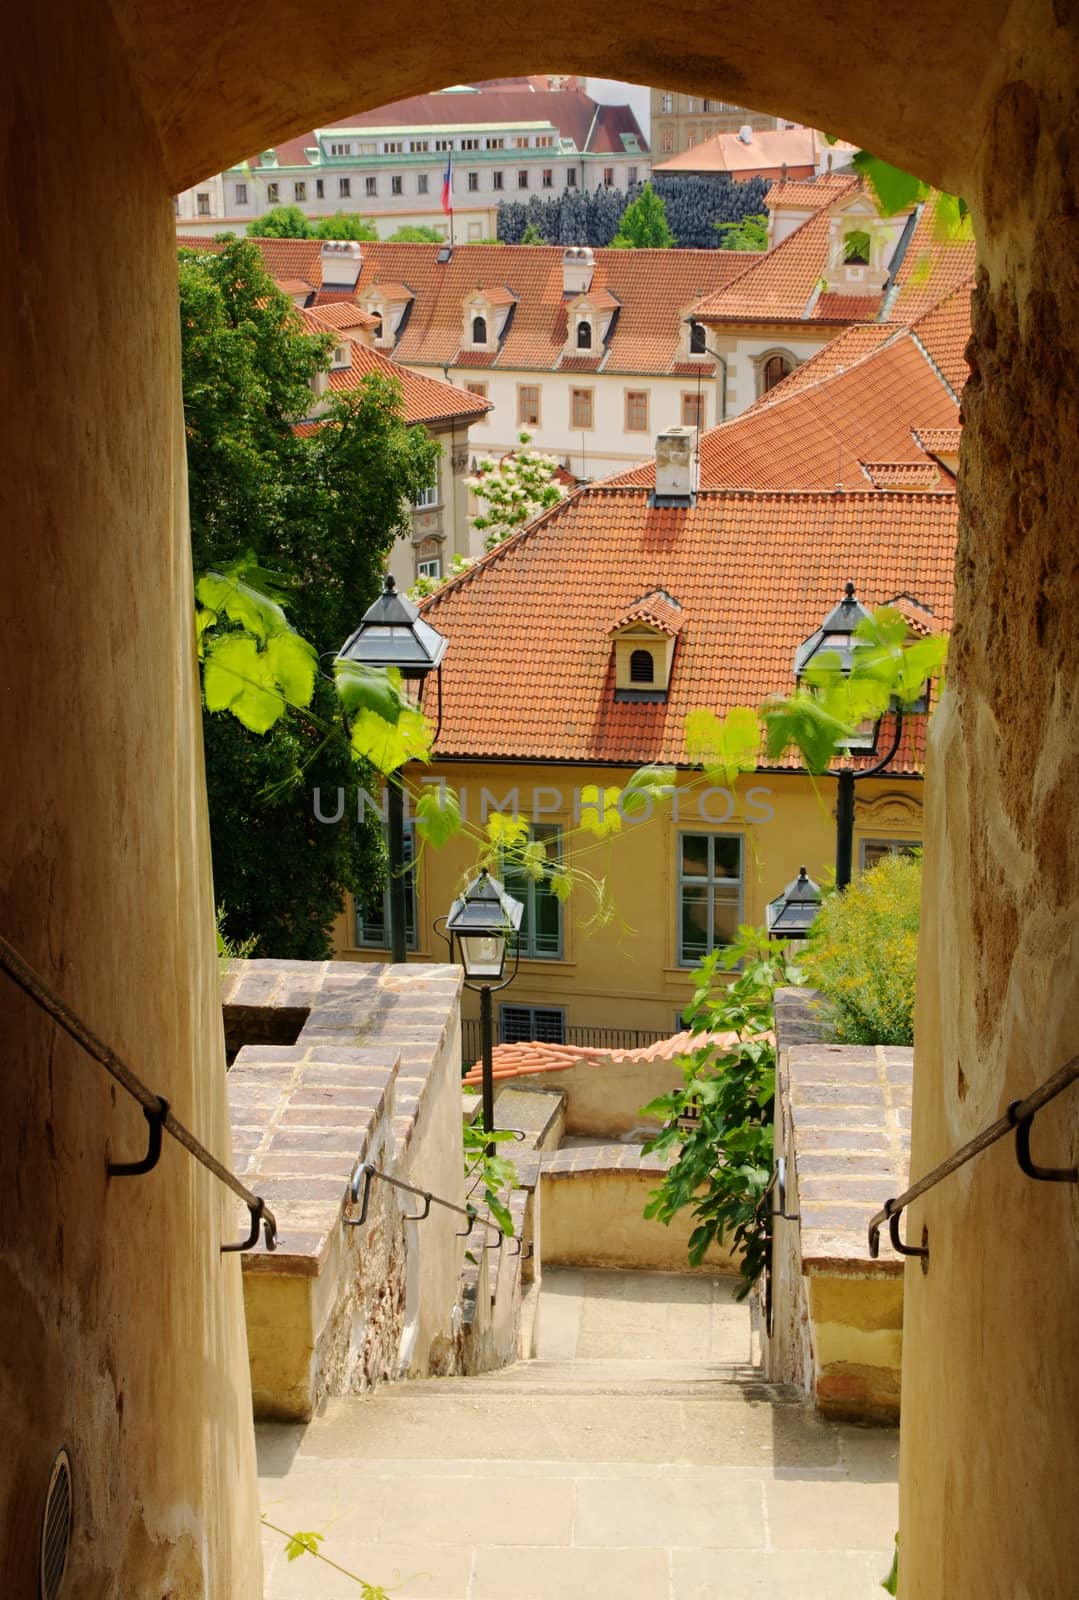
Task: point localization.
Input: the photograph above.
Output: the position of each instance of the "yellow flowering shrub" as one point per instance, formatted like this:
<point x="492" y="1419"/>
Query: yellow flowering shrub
<point x="863" y="953"/>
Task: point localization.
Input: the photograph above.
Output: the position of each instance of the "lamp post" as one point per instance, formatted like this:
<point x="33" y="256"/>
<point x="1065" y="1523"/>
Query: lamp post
<point x="836" y="634"/>
<point x="393" y="634"/>
<point x="790" y="915"/>
<point x="478" y="927"/>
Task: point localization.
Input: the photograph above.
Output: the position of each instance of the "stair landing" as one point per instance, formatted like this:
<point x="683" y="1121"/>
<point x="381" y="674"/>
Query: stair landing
<point x="640" y="1457"/>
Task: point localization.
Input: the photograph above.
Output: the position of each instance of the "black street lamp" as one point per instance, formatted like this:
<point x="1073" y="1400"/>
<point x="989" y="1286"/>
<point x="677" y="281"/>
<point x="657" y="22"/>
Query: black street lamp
<point x="790" y="915"/>
<point x="479" y="926"/>
<point x="836" y="633"/>
<point x="393" y="634"/>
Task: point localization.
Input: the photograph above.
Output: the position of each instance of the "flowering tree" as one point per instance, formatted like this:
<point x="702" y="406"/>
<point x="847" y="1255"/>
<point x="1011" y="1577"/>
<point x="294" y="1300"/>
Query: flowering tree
<point x="514" y="490"/>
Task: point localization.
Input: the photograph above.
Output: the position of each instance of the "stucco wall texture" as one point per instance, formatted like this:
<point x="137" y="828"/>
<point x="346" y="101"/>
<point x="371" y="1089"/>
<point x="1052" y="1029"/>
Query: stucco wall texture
<point x="120" y="1326"/>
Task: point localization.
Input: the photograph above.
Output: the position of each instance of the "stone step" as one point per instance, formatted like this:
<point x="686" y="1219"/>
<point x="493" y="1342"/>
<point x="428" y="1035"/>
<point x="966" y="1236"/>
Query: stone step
<point x="680" y="1379"/>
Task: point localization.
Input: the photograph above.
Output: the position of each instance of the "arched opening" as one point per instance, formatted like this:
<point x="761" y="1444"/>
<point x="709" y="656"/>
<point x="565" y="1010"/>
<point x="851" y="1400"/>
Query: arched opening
<point x="642" y="667"/>
<point x="584" y="335"/>
<point x="479" y="330"/>
<point x="774" y="369"/>
<point x="698" y="339"/>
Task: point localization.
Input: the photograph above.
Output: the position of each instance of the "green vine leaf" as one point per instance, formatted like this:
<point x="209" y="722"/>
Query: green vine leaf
<point x="246" y="595"/>
<point x="362" y="688"/>
<point x="599" y="812"/>
<point x="237" y="677"/>
<point x="388" y="745"/>
<point x="300" y="1544"/>
<point x="724" y="748"/>
<point x="294" y="664"/>
<point x="438" y="815"/>
<point x="646" y="785"/>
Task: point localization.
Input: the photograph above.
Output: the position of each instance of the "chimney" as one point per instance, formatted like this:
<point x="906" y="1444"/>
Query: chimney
<point x="676" y="467"/>
<point x="578" y="265"/>
<point x="745" y="133"/>
<point x="341" y="263"/>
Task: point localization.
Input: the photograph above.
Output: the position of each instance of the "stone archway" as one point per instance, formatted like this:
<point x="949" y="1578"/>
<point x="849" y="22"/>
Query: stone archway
<point x="102" y="834"/>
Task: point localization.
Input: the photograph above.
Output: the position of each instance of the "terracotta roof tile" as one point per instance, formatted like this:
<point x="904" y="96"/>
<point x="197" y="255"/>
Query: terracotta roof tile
<point x="903" y="474"/>
<point x="817" y="435"/>
<point x="767" y="150"/>
<point x="654" y="291"/>
<point x="939" y="441"/>
<point x="540" y="685"/>
<point x="843" y="351"/>
<point x="426" y="399"/>
<point x="944" y="331"/>
<point x="931" y="269"/>
<point x="810" y="194"/>
<point x="286" y="260"/>
<point x="519" y="1060"/>
<point x="778" y="285"/>
<point x="919" y="618"/>
<point x="342" y="314"/>
<point x="846" y="307"/>
<point x="656" y="608"/>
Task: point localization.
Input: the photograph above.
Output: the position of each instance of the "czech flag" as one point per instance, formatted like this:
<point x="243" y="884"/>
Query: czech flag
<point x="447" y="185"/>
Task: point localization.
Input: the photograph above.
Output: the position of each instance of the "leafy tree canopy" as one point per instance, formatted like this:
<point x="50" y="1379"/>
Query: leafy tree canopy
<point x="344" y="225"/>
<point x="323" y="510"/>
<point x="751" y="233"/>
<point x="412" y="233"/>
<point x="644" y="224"/>
<point x="283" y="222"/>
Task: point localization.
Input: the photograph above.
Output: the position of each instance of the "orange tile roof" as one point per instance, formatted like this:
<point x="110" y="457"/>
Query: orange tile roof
<point x="919" y="619"/>
<point x="426" y="400"/>
<point x="810" y="194"/>
<point x="656" y="608"/>
<point x="389" y="291"/>
<point x="931" y="269"/>
<point x="846" y="307"/>
<point x="944" y="331"/>
<point x="654" y="290"/>
<point x="767" y="150"/>
<point x="848" y="346"/>
<point x="939" y="441"/>
<point x="818" y="435"/>
<point x="286" y="260"/>
<point x="342" y="315"/>
<point x="753" y="573"/>
<point x="779" y="285"/>
<point x="519" y="1060"/>
<point x="903" y="474"/>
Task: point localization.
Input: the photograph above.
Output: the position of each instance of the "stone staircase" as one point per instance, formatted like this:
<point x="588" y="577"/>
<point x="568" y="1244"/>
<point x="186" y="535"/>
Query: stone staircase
<point x="641" y="1456"/>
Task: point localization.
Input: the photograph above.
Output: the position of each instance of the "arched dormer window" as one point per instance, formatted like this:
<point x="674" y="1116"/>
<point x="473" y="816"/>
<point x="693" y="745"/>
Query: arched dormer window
<point x="697" y="337"/>
<point x="856" y="246"/>
<point x="642" y="667"/>
<point x="584" y="335"/>
<point x="479" y="330"/>
<point x="774" y="369"/>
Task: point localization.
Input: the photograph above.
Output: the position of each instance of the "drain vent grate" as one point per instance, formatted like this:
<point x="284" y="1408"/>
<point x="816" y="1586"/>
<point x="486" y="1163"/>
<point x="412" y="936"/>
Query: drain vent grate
<point x="56" y="1529"/>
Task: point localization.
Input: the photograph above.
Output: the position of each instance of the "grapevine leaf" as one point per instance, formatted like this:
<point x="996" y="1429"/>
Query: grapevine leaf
<point x="438" y="815"/>
<point x="388" y="745"/>
<point x="561" y="883"/>
<point x="645" y="785"/>
<point x="294" y="663"/>
<point x="724" y="748"/>
<point x="895" y="190"/>
<point x="230" y="594"/>
<point x="300" y="1544"/>
<point x="237" y="677"/>
<point x="506" y="833"/>
<point x="363" y="688"/>
<point x="599" y="812"/>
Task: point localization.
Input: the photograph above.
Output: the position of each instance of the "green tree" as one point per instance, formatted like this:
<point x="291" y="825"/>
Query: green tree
<point x="532" y="235"/>
<point x="323" y="510"/>
<point x="862" y="953"/>
<point x="644" y="224"/>
<point x="749" y="234"/>
<point x="283" y="222"/>
<point x="345" y="225"/>
<point x="514" y="490"/>
<point x="413" y="233"/>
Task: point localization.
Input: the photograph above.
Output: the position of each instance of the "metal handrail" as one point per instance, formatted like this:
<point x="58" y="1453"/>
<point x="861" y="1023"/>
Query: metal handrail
<point x="155" y="1107"/>
<point x="1019" y="1119"/>
<point x="365" y="1173"/>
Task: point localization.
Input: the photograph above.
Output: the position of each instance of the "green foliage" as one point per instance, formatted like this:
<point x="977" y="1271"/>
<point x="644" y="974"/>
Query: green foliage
<point x="721" y="1121"/>
<point x="416" y="233"/>
<point x="531" y="235"/>
<point x="303" y="1544"/>
<point x="694" y="204"/>
<point x="344" y="225"/>
<point x="862" y="953"/>
<point x="425" y="586"/>
<point x="726" y="747"/>
<point x="751" y="233"/>
<point x="890" y="1584"/>
<point x="494" y="1173"/>
<point x="322" y="509"/>
<point x="514" y="490"/>
<point x="481" y="241"/>
<point x="230" y="949"/>
<point x="283" y="222"/>
<point x="644" y="224"/>
<point x="306" y="1543"/>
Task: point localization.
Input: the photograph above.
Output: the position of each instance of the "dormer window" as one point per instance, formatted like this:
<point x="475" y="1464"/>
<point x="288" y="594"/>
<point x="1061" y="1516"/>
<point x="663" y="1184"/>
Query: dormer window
<point x="856" y="247"/>
<point x="644" y="645"/>
<point x="697" y="339"/>
<point x="584" y="335"/>
<point x="772" y="368"/>
<point x="479" y="330"/>
<point x="342" y="356"/>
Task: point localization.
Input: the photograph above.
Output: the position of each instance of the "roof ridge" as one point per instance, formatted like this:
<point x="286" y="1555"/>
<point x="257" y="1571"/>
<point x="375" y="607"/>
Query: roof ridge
<point x="488" y="558"/>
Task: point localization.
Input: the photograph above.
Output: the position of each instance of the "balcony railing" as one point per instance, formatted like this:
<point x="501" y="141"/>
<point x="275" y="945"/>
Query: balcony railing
<point x="585" y="1038"/>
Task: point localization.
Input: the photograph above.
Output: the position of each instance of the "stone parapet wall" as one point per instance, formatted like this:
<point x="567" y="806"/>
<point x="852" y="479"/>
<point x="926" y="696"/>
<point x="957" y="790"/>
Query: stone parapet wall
<point x="372" y="1075"/>
<point x="843" y="1135"/>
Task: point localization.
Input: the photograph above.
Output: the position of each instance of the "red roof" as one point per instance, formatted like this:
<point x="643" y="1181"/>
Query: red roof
<point x="848" y="346"/>
<point x="519" y="1060"/>
<point x="529" y="673"/>
<point x="940" y="441"/>
<point x="426" y="399"/>
<point x="818" y="435"/>
<point x="944" y="332"/>
<point x="340" y="315"/>
<point x="654" y="290"/>
<point x="594" y="129"/>
<point x="657" y="609"/>
<point x="286" y="260"/>
<point x="810" y="194"/>
<point x="767" y="150"/>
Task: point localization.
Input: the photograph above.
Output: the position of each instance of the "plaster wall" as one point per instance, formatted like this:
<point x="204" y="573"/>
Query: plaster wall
<point x="627" y="974"/>
<point x="743" y="350"/>
<point x="121" y="1325"/>
<point x="596" y="1219"/>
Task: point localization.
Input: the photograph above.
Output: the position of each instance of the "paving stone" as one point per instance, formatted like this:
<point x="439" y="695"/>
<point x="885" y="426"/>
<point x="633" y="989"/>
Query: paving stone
<point x="701" y="1510"/>
<point x="776" y="1575"/>
<point x="527" y="1572"/>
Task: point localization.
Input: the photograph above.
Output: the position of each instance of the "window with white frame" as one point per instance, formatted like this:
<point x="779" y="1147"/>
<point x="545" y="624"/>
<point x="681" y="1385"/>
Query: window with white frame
<point x="373" y="912"/>
<point x="419" y="146"/>
<point x="494" y="144"/>
<point x="430" y="568"/>
<point x="421" y="183"/>
<point x="698" y="339"/>
<point x="299" y="191"/>
<point x="540" y="938"/>
<point x="320" y="189"/>
<point x="479" y="329"/>
<point x="528" y="1024"/>
<point x="394" y="147"/>
<point x="344" y="188"/>
<point x="548" y="177"/>
<point x="272" y="194"/>
<point x="636" y="410"/>
<point x="631" y="175"/>
<point x="709" y="893"/>
<point x="498" y="180"/>
<point x="581" y="408"/>
<point x="873" y="851"/>
<point x="571" y="178"/>
<point x="667" y="104"/>
<point x="473" y="182"/>
<point x="667" y="140"/>
<point x="470" y="144"/>
<point x="340" y="149"/>
<point x="397" y="184"/>
<point x="528" y="405"/>
<point x="240" y="194"/>
<point x="522" y="178"/>
<point x="370" y="186"/>
<point x="427" y="497"/>
<point x="608" y="177"/>
<point x="693" y="409"/>
<point x="202" y="202"/>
